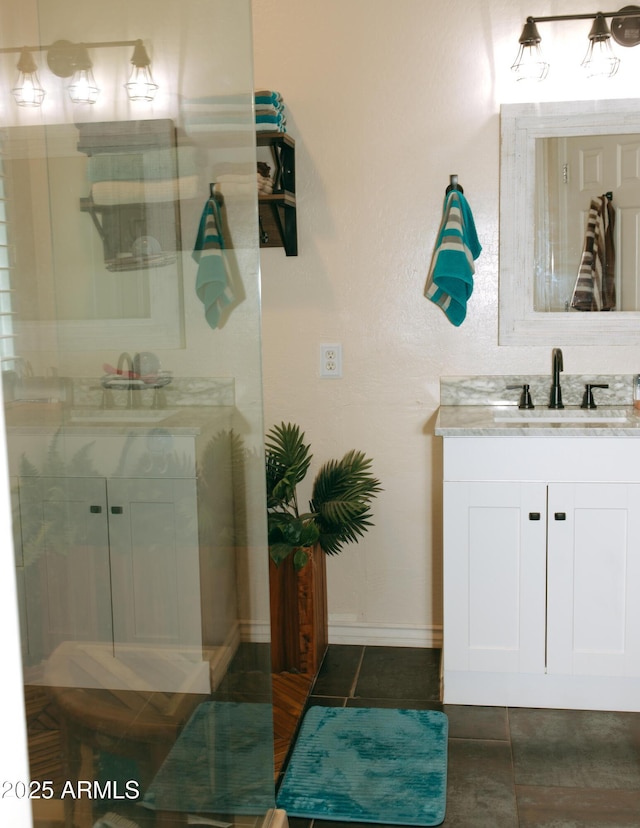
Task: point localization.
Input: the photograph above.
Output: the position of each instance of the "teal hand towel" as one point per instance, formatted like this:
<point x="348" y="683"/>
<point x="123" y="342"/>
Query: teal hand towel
<point x="212" y="281"/>
<point x="450" y="280"/>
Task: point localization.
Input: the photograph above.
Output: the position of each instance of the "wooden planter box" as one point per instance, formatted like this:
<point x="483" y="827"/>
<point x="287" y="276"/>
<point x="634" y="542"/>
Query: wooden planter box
<point x="299" y="635"/>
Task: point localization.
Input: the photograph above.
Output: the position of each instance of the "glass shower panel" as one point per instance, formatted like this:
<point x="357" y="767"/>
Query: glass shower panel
<point x="133" y="407"/>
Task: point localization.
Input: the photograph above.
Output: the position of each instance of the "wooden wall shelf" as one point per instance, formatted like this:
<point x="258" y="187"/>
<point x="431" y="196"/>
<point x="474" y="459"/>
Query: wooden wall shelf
<point x="277" y="212"/>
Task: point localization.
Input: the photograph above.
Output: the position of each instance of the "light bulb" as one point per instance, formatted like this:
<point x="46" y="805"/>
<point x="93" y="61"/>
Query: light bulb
<point x="27" y="90"/>
<point x="82" y="88"/>
<point x="141" y="86"/>
<point x="529" y="64"/>
<point x="600" y="61"/>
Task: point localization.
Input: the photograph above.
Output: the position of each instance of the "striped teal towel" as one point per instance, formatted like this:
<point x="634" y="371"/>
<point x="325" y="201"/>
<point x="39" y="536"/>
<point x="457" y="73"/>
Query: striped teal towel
<point x="213" y="286"/>
<point x="450" y="279"/>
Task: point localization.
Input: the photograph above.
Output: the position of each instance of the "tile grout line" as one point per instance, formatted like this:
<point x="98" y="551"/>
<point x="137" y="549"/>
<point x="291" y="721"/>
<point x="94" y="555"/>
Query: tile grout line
<point x="513" y="767"/>
<point x="356" y="677"/>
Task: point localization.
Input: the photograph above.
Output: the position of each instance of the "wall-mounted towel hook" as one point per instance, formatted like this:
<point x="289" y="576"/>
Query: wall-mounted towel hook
<point x="609" y="195"/>
<point x="214" y="194"/>
<point x="453" y="179"/>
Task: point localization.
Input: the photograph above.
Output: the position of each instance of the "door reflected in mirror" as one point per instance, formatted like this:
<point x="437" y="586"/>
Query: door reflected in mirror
<point x="587" y="214"/>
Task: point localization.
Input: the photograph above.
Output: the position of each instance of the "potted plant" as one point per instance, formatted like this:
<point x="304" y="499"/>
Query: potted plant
<point x="338" y="514"/>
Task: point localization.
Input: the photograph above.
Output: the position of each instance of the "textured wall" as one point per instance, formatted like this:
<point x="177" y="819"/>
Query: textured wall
<point x="385" y="99"/>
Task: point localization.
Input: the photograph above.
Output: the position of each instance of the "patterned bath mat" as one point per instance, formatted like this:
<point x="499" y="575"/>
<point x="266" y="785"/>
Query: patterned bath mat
<point x="354" y="764"/>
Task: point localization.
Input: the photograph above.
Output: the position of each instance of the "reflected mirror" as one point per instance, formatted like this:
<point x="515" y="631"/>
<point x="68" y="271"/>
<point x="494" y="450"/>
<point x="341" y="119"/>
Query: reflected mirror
<point x="569" y="207"/>
<point x="95" y="227"/>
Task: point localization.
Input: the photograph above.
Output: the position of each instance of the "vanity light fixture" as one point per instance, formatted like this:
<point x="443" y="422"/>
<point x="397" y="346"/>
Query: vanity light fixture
<point x="529" y="64"/>
<point x="141" y="86"/>
<point x="71" y="60"/>
<point x="82" y="88"/>
<point x="600" y="60"/>
<point x="27" y="90"/>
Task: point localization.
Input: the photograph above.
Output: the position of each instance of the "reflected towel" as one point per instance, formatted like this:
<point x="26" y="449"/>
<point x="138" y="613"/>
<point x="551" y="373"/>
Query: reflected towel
<point x="450" y="279"/>
<point x="142" y="166"/>
<point x="144" y="192"/>
<point x="595" y="287"/>
<point x="213" y="285"/>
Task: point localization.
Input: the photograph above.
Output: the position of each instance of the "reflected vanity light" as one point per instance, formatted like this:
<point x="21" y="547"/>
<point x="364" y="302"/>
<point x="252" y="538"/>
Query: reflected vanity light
<point x="600" y="60"/>
<point x="82" y="88"/>
<point x="71" y="60"/>
<point x="27" y="90"/>
<point x="141" y="86"/>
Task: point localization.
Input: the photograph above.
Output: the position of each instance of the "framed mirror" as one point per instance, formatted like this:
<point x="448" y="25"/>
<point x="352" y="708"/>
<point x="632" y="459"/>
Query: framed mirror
<point x="556" y="160"/>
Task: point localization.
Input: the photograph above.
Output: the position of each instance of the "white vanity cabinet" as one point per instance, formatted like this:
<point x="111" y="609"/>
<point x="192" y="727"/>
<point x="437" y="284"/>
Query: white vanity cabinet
<point x="542" y="571"/>
<point x="125" y="546"/>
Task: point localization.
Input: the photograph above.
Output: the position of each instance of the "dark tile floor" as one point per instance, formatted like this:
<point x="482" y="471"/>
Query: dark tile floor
<point x="508" y="767"/>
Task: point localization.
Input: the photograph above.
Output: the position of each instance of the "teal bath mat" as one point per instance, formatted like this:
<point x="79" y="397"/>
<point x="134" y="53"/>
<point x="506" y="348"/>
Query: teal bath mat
<point x="368" y="765"/>
<point x="220" y="764"/>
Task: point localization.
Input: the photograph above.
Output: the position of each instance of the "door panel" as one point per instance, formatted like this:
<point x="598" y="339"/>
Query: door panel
<point x="494" y="614"/>
<point x="593" y="579"/>
<point x="154" y="562"/>
<point x="65" y="548"/>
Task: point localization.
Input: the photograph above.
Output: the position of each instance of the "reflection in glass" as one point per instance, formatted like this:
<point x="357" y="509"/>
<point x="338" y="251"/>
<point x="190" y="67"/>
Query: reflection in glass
<point x="134" y="434"/>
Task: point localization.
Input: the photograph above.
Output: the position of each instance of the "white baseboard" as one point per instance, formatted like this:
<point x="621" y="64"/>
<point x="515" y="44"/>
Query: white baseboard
<point x="392" y="635"/>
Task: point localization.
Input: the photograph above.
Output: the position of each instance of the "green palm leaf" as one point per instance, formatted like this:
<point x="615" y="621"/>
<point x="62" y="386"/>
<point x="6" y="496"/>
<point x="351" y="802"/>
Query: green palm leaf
<point x="341" y="498"/>
<point x="287" y="460"/>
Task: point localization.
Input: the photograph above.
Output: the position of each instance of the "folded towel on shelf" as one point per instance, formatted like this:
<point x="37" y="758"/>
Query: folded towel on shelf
<point x="595" y="287"/>
<point x="213" y="283"/>
<point x="269" y="109"/>
<point x="450" y="279"/>
<point x="271" y="119"/>
<point x="267" y="96"/>
<point x="271" y="128"/>
<point x="152" y="164"/>
<point x="144" y="192"/>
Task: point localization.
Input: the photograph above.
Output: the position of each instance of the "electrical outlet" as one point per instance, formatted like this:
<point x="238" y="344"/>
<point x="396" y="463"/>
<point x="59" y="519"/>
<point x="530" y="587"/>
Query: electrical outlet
<point x="331" y="361"/>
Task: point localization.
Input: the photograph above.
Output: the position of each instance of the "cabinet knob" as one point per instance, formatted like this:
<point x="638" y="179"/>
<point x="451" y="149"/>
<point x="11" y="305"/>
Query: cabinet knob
<point x="117" y="510"/>
<point x="534" y="515"/>
<point x="95" y="510"/>
<point x="560" y="515"/>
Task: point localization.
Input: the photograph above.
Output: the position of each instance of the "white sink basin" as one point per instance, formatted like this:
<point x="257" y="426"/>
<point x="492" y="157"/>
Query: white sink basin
<point x="582" y="416"/>
<point x="120" y="415"/>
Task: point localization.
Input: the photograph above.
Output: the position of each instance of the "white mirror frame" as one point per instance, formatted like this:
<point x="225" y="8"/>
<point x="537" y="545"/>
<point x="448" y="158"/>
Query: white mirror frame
<point x="521" y="125"/>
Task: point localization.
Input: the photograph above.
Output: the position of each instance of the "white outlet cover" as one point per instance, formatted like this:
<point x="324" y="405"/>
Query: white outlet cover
<point x="331" y="360"/>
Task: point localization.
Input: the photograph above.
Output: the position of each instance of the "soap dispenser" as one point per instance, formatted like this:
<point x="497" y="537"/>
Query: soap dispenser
<point x="636" y="392"/>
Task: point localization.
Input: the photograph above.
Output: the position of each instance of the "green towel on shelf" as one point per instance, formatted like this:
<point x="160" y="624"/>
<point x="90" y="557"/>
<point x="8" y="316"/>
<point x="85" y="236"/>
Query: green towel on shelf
<point x="450" y="280"/>
<point x="213" y="286"/>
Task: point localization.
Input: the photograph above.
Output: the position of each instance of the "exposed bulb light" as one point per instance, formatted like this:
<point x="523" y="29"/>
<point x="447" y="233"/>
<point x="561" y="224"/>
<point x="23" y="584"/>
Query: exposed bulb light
<point x="141" y="86"/>
<point x="27" y="90"/>
<point x="529" y="64"/>
<point x="600" y="61"/>
<point x="83" y="88"/>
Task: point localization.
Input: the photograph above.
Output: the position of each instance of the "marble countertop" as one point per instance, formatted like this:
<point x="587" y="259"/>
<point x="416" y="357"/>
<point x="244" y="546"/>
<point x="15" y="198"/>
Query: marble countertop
<point x="510" y="421"/>
<point x="37" y="418"/>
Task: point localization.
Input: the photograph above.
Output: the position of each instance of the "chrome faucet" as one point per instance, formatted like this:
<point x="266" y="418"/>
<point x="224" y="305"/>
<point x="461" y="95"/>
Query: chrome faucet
<point x="127" y="374"/>
<point x="555" y="399"/>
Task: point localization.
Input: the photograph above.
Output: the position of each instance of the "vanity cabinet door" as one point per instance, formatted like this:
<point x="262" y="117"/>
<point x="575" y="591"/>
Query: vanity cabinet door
<point x="494" y="576"/>
<point x="155" y="581"/>
<point x="64" y="546"/>
<point x="593" y="616"/>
